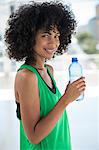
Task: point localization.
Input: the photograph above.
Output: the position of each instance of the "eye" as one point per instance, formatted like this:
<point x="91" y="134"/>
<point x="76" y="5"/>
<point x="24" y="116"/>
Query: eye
<point x="45" y="35"/>
<point x="57" y="36"/>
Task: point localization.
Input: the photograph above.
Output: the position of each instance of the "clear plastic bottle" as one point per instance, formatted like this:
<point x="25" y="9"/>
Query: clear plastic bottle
<point x="75" y="72"/>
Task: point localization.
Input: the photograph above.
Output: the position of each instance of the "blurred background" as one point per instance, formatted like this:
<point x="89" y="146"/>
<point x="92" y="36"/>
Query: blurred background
<point x="84" y="115"/>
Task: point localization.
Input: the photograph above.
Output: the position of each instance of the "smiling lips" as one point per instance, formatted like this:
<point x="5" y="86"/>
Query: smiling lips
<point x="50" y="51"/>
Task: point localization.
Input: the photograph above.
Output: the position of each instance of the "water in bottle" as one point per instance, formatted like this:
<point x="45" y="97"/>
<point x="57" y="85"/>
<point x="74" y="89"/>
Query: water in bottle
<point x="75" y="72"/>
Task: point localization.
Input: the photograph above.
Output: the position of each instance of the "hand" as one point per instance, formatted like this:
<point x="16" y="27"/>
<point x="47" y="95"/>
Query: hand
<point x="74" y="90"/>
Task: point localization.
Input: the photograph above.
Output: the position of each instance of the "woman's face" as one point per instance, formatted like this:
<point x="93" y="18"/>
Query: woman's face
<point x="47" y="43"/>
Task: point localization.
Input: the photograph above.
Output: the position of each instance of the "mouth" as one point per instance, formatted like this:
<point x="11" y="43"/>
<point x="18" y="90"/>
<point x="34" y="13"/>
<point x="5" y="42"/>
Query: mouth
<point x="50" y="51"/>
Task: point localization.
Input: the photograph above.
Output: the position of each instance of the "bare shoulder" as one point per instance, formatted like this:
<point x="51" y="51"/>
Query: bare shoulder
<point x="25" y="75"/>
<point x="24" y="78"/>
<point x="51" y="69"/>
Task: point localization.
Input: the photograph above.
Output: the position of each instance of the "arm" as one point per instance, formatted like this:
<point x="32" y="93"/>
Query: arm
<point x="36" y="129"/>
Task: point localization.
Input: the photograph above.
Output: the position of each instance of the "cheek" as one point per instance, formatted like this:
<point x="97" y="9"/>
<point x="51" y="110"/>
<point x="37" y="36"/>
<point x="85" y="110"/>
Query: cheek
<point x="40" y="44"/>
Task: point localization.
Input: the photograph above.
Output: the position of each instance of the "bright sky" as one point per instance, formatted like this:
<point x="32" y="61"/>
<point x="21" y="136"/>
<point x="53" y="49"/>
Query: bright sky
<point x="83" y="10"/>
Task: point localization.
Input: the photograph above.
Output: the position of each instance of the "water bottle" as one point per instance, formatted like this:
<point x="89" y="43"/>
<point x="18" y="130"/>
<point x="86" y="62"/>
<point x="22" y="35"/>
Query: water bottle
<point x="75" y="72"/>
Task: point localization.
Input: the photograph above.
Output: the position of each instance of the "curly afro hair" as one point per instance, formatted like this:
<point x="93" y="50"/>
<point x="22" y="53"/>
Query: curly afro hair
<point x="24" y="23"/>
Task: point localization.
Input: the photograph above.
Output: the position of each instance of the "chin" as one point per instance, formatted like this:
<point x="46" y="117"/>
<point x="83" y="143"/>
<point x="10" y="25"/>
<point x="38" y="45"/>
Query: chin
<point x="51" y="56"/>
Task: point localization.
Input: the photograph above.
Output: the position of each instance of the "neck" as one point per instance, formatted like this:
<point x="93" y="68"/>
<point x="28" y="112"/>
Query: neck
<point x="39" y="65"/>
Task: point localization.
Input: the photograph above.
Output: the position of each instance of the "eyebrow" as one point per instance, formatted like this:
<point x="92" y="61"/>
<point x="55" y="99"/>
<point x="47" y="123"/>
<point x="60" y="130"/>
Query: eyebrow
<point x="49" y="32"/>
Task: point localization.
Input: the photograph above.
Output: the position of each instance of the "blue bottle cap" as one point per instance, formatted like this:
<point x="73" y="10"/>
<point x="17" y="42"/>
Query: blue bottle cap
<point x="74" y="59"/>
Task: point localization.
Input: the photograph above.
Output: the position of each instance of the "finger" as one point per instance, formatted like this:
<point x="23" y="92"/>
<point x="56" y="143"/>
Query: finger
<point x="81" y="84"/>
<point x="79" y="80"/>
<point x="82" y="88"/>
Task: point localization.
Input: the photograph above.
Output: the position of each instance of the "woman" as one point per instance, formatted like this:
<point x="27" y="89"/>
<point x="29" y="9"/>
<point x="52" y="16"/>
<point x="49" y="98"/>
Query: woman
<point x="36" y="33"/>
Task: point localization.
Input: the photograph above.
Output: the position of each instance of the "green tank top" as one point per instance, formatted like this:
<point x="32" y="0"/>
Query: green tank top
<point x="59" y="137"/>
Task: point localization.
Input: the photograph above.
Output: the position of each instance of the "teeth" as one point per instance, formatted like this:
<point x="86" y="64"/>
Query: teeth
<point x="48" y="49"/>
